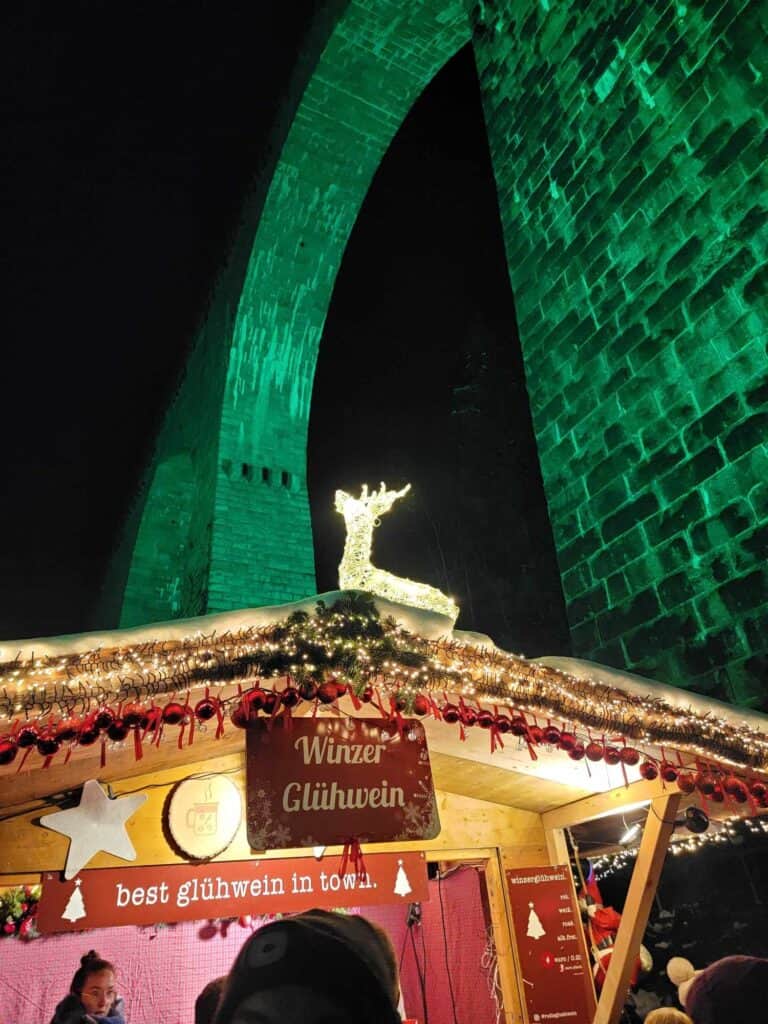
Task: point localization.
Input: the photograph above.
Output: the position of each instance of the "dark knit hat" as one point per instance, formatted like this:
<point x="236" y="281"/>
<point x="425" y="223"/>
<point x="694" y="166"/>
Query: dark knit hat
<point x="731" y="990"/>
<point x="344" y="956"/>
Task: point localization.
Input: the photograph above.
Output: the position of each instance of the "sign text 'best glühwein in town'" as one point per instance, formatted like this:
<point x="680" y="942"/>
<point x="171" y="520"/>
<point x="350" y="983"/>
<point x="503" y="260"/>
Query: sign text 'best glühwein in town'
<point x="104" y="897"/>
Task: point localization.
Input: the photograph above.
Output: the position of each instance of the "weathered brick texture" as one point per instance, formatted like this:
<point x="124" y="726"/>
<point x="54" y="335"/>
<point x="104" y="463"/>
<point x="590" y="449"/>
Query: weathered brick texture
<point x="629" y="143"/>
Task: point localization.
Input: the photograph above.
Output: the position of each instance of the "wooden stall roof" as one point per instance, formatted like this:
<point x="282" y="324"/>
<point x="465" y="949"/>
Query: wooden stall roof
<point x="509" y="776"/>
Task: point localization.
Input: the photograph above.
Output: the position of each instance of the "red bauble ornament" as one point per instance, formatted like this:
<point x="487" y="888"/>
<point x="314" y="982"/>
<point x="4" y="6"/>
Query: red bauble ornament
<point x="67" y="729"/>
<point x="173" y="713"/>
<point x="255" y="700"/>
<point x="518" y="726"/>
<point x="717" y="795"/>
<point x="341" y="688"/>
<point x="485" y="718"/>
<point x="88" y="733"/>
<point x="205" y="709"/>
<point x="151" y="719"/>
<point x="552" y="735"/>
<point x="132" y="715"/>
<point x="649" y="771"/>
<point x="118" y="731"/>
<point x="503" y="723"/>
<point x="450" y="713"/>
<point x="104" y="718"/>
<point x="577" y="753"/>
<point x="731" y="784"/>
<point x="327" y="692"/>
<point x="536" y="734"/>
<point x="468" y="715"/>
<point x="567" y="741"/>
<point x="686" y="783"/>
<point x="290" y="697"/>
<point x="668" y="772"/>
<point x="8" y="750"/>
<point x="241" y="714"/>
<point x="271" y="701"/>
<point x="367" y="695"/>
<point x="594" y="751"/>
<point x="705" y="784"/>
<point x="758" y="789"/>
<point x="630" y="756"/>
<point x="612" y="755"/>
<point x="27" y="735"/>
<point x="740" y="794"/>
<point x="47" y="744"/>
<point x="420" y="704"/>
<point x="308" y="689"/>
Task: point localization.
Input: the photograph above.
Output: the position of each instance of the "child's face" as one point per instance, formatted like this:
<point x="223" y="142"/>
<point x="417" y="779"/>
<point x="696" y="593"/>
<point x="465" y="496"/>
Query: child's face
<point x="99" y="992"/>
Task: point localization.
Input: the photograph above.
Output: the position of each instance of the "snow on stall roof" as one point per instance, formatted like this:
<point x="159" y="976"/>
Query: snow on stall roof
<point x="429" y="625"/>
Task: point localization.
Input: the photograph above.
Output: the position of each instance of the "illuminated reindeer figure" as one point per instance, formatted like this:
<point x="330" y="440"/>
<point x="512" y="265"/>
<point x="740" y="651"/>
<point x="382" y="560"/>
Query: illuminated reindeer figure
<point x="356" y="572"/>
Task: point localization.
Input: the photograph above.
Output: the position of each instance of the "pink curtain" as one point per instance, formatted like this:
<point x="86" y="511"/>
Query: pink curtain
<point x="161" y="970"/>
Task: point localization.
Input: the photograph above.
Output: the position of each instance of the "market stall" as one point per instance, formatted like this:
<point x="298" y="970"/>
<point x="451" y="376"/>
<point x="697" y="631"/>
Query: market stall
<point x="146" y="779"/>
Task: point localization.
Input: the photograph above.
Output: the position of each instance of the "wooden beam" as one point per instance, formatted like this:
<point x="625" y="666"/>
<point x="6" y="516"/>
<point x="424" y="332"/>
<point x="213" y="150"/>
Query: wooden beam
<point x="467" y="823"/>
<point x="601" y="805"/>
<point x="642" y="889"/>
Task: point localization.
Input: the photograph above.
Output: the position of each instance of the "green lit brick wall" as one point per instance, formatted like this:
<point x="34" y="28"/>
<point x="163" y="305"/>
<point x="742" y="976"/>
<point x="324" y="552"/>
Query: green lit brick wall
<point x="629" y="145"/>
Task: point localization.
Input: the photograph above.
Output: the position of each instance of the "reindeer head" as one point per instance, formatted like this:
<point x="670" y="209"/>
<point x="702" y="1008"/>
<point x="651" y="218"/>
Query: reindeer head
<point x="368" y="506"/>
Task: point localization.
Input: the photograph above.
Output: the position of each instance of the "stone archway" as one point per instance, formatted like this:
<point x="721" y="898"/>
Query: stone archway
<point x="242" y="411"/>
<point x="629" y="149"/>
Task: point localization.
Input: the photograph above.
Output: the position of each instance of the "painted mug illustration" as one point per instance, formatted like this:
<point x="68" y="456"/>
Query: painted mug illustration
<point x="202" y="818"/>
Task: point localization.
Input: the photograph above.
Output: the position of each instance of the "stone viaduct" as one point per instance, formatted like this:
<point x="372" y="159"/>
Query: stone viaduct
<point x="629" y="144"/>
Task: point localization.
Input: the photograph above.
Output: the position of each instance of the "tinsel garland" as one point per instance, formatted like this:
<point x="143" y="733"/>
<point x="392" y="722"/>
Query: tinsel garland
<point x="351" y="641"/>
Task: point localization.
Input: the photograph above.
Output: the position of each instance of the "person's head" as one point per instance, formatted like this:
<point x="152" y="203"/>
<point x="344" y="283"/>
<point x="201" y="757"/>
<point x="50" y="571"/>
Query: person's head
<point x="314" y="968"/>
<point x="667" y="1015"/>
<point x="208" y="1000"/>
<point x="94" y="983"/>
<point x="728" y="990"/>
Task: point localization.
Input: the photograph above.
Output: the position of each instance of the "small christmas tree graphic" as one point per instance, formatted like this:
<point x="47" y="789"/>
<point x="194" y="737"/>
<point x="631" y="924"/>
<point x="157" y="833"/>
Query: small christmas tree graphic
<point x="535" y="927"/>
<point x="402" y="885"/>
<point x="75" y="908"/>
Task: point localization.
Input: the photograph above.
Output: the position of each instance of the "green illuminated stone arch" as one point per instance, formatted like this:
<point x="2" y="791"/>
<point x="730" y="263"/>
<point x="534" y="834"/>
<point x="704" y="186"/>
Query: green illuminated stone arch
<point x="243" y="410"/>
<point x="629" y="147"/>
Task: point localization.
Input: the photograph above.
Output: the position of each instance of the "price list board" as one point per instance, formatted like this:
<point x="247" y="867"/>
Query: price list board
<point x="552" y="953"/>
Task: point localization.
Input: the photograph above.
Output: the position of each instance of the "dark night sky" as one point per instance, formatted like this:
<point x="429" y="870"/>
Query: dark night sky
<point x="134" y="135"/>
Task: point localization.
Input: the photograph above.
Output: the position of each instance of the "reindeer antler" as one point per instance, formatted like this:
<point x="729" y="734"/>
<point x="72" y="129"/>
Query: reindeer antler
<point x="382" y="500"/>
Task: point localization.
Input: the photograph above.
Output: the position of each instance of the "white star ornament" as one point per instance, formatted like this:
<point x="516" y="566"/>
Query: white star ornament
<point x="96" y="824"/>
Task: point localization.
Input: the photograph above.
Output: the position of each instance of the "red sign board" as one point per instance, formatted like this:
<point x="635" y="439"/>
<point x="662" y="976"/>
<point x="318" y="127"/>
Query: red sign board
<point x="550" y="945"/>
<point x="105" y="897"/>
<point x="324" y="782"/>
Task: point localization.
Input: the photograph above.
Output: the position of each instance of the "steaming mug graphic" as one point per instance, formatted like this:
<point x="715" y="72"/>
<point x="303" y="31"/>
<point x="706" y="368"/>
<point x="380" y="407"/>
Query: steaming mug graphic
<point x="204" y="815"/>
<point x="202" y="818"/>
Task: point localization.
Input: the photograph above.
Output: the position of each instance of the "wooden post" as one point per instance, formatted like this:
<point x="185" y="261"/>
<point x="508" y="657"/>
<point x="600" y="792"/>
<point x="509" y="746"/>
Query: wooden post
<point x="642" y="889"/>
<point x="501" y="920"/>
<point x="557" y="848"/>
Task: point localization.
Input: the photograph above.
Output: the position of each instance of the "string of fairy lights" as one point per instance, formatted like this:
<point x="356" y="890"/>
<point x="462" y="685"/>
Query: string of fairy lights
<point x="348" y="649"/>
<point x="731" y="832"/>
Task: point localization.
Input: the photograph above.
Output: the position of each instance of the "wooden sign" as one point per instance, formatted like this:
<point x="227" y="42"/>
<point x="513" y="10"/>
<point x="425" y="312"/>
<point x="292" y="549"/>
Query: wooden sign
<point x="105" y="897"/>
<point x="324" y="782"/>
<point x="550" y="945"/>
<point x="204" y="815"/>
